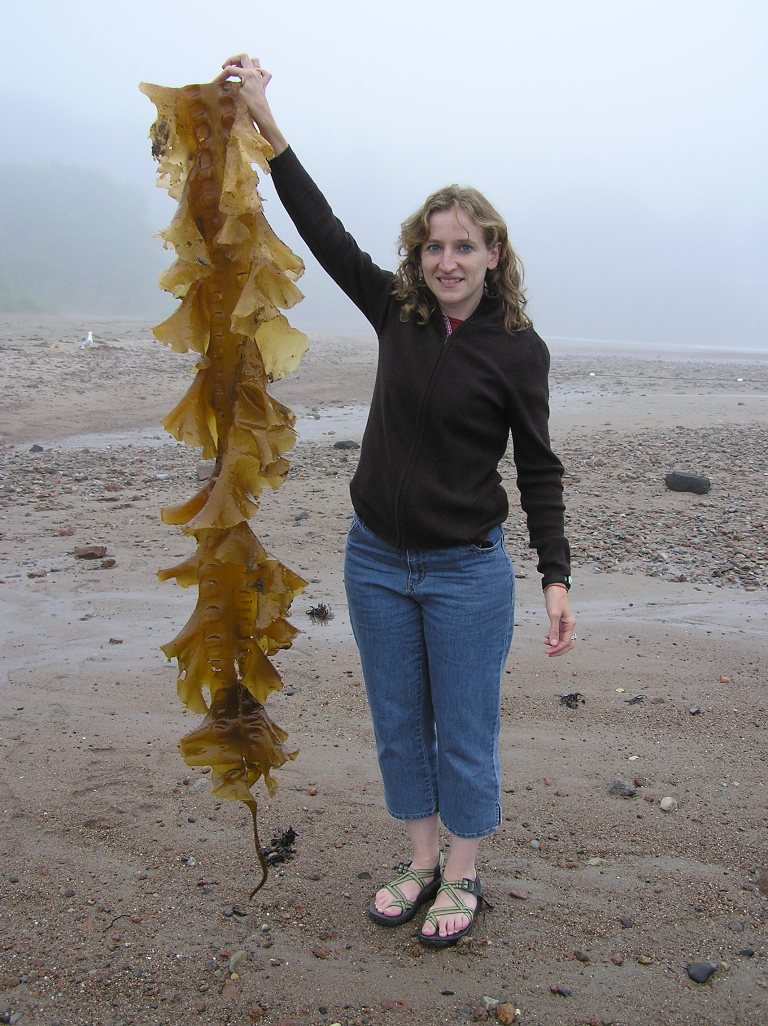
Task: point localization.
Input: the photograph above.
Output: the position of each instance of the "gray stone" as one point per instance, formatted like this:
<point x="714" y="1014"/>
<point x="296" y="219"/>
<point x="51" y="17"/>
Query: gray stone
<point x="682" y="482"/>
<point x="622" y="789"/>
<point x="700" y="972"/>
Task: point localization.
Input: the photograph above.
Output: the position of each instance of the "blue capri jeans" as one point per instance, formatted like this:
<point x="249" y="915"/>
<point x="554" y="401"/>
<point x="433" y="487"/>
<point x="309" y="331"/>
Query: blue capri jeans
<point x="434" y="627"/>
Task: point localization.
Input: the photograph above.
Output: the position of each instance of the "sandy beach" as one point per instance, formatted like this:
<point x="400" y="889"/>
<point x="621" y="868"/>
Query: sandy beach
<point x="124" y="884"/>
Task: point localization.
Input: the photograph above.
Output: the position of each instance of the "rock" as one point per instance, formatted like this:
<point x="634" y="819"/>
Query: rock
<point x="36" y="448"/>
<point x="90" y="551"/>
<point x="236" y="959"/>
<point x="622" y="789"/>
<point x="669" y="804"/>
<point x="762" y="882"/>
<point x="683" y="482"/>
<point x="700" y="972"/>
<point x="346" y="443"/>
<point x="230" y="990"/>
<point x="519" y="894"/>
<point x="617" y="958"/>
<point x="507" y="1013"/>
<point x="645" y="960"/>
<point x="735" y="926"/>
<point x="694" y="710"/>
<point x="581" y="956"/>
<point x="562" y="991"/>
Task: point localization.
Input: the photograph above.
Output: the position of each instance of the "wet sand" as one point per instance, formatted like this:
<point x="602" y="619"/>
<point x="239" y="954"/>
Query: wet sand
<point x="125" y="884"/>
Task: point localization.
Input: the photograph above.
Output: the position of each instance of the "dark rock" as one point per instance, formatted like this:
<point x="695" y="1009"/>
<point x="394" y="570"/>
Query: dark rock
<point x="700" y="972"/>
<point x="346" y="443"/>
<point x="747" y="952"/>
<point x="36" y="448"/>
<point x="679" y="482"/>
<point x="562" y="991"/>
<point x="622" y="789"/>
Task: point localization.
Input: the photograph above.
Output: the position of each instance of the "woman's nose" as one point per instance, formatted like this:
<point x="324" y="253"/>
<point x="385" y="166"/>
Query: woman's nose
<point x="447" y="259"/>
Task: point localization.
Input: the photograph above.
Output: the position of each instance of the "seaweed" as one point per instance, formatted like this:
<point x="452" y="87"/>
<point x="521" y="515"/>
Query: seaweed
<point x="232" y="276"/>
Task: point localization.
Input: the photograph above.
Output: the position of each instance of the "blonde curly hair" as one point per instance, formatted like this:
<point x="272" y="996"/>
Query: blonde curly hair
<point x="505" y="280"/>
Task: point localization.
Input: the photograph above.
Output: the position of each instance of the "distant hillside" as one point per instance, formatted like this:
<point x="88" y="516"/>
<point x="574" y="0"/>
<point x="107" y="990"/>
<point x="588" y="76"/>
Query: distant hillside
<point x="72" y="240"/>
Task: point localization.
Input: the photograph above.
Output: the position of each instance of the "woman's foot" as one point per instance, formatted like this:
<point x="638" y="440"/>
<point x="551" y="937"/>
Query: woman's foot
<point x="452" y="914"/>
<point x="399" y="900"/>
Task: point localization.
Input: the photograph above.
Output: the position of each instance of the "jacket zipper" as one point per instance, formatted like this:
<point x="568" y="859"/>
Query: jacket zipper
<point x="416" y="448"/>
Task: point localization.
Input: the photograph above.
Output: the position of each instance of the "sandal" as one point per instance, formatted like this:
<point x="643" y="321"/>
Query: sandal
<point x="428" y="880"/>
<point x="452" y="888"/>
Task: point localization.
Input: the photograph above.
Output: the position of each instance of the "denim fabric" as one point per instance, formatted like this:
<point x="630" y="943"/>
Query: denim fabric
<point x="434" y="627"/>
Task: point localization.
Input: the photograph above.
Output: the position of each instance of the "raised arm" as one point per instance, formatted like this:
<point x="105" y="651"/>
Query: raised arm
<point x="254" y="80"/>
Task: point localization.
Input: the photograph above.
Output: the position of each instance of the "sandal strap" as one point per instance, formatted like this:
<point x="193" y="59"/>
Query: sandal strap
<point x="466" y="884"/>
<point x="423" y="877"/>
<point x="451" y="887"/>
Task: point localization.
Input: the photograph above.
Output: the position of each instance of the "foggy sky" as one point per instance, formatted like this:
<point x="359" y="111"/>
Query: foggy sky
<point x="625" y="143"/>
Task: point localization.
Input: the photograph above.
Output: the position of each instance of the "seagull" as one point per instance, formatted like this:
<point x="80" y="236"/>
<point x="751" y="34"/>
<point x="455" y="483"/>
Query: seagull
<point x="87" y="341"/>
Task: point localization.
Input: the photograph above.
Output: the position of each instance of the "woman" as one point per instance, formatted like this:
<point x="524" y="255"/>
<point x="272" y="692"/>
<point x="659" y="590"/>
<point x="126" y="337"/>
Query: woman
<point x="429" y="584"/>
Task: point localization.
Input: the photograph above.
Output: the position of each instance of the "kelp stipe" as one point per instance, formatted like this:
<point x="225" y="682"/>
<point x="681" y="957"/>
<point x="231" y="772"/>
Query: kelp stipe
<point x="232" y="275"/>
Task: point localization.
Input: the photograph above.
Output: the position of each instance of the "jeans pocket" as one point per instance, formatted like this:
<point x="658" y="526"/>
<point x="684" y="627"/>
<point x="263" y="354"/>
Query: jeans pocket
<point x="355" y="524"/>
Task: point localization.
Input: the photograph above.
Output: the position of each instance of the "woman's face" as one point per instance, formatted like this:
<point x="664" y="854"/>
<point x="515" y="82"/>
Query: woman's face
<point x="454" y="259"/>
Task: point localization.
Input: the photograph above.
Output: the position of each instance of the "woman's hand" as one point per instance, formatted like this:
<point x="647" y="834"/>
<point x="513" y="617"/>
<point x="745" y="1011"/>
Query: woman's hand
<point x="253" y="82"/>
<point x="561" y="621"/>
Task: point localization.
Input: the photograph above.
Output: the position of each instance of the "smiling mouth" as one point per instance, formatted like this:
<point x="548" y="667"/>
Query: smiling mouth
<point x="450" y="282"/>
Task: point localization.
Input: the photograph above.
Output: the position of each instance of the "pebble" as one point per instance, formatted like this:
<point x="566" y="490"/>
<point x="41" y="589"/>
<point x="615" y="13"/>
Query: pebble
<point x="694" y="710"/>
<point x="622" y="789"/>
<point x="90" y="551"/>
<point x="507" y="1013"/>
<point x="669" y="804"/>
<point x="562" y="991"/>
<point x="700" y="972"/>
<point x="236" y="959"/>
<point x="645" y="960"/>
